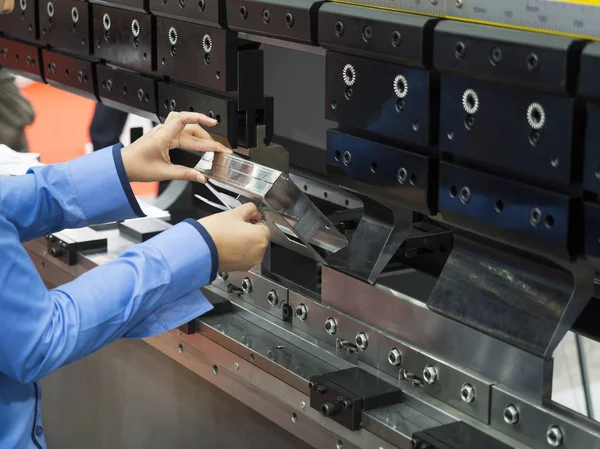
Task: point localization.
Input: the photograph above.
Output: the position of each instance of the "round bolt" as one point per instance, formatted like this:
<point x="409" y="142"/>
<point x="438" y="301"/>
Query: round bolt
<point x="362" y="340"/>
<point x="243" y="12"/>
<point x="347" y="158"/>
<point x="331" y="326"/>
<point x="535" y="216"/>
<point x="303" y="405"/>
<point x="301" y="312"/>
<point x="465" y="195"/>
<point x="339" y="28"/>
<point x="247" y="285"/>
<point x="266" y="16"/>
<point x="467" y="393"/>
<point x="554" y="436"/>
<point x="236" y="365"/>
<point x="511" y="414"/>
<point x="289" y="20"/>
<point x="273" y="298"/>
<point x="395" y="357"/>
<point x="430" y="374"/>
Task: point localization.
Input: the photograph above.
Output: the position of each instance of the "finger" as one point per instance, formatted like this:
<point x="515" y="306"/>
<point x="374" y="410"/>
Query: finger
<point x="190" y="142"/>
<point x="181" y="173"/>
<point x="246" y="211"/>
<point x="176" y="124"/>
<point x="264" y="229"/>
<point x="170" y="117"/>
<point x="197" y="131"/>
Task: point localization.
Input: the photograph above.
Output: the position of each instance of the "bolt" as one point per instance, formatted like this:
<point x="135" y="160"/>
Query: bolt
<point x="467" y="393"/>
<point x="247" y="285"/>
<point x="430" y="374"/>
<point x="554" y="436"/>
<point x="395" y="357"/>
<point x="331" y="326"/>
<point x="236" y="365"/>
<point x="302" y="312"/>
<point x="302" y="405"/>
<point x="511" y="414"/>
<point x="362" y="340"/>
<point x="273" y="298"/>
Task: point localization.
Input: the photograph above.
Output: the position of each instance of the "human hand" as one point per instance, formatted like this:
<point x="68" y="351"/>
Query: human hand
<point x="240" y="239"/>
<point x="147" y="159"/>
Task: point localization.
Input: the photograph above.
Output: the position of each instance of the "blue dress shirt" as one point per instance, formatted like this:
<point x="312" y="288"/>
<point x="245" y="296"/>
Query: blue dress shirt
<point x="150" y="288"/>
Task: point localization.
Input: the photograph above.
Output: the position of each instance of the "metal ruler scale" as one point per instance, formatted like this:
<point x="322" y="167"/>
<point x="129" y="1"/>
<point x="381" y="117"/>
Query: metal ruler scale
<point x="577" y="18"/>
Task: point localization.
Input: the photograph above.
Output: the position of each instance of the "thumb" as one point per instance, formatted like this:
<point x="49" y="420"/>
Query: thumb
<point x="181" y="173"/>
<point x="247" y="212"/>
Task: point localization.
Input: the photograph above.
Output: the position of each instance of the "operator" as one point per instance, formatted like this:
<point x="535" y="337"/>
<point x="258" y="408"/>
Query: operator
<point x="151" y="288"/>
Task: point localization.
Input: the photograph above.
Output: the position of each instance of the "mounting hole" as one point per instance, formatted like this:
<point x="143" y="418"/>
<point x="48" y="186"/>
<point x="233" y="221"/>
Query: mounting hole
<point x="251" y="356"/>
<point x="334" y="106"/>
<point x="396" y="39"/>
<point x="338" y="156"/>
<point x="218" y="75"/>
<point x="294" y="417"/>
<point x="305" y="187"/>
<point x="554" y="162"/>
<point x="373" y="167"/>
<point x="207" y="59"/>
<point x="495" y="56"/>
<point x="349" y="74"/>
<point x="163" y="61"/>
<point x="399" y="105"/>
<point x="347" y="158"/>
<point x="180" y="348"/>
<point x="173" y="51"/>
<point x="460" y="49"/>
<point x="182" y="3"/>
<point x="402" y="175"/>
<point x="172" y="105"/>
<point x="166" y="104"/>
<point x="125" y="90"/>
<point x="499" y="206"/>
<point x="532" y="62"/>
<point x="536" y="116"/>
<point x="413" y="179"/>
<point x="367" y="33"/>
<point x="597" y="173"/>
<point x="465" y="195"/>
<point x="244" y="12"/>
<point x="469" y="122"/>
<point x="339" y="445"/>
<point x="339" y="28"/>
<point x="201" y="5"/>
<point x="452" y="191"/>
<point x="348" y="93"/>
<point x="109" y="83"/>
<point x="66" y="72"/>
<point x="325" y="194"/>
<point x="211" y="114"/>
<point x="416" y="126"/>
<point x="266" y="16"/>
<point x="289" y="20"/>
<point x="347" y="202"/>
<point x="400" y="86"/>
<point x="145" y="56"/>
<point x="534" y="138"/>
<point x="218" y="118"/>
<point x="535" y="216"/>
<point x="549" y="221"/>
<point x="215" y="369"/>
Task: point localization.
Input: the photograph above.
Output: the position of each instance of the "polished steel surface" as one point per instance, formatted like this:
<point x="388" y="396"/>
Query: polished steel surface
<point x="411" y="321"/>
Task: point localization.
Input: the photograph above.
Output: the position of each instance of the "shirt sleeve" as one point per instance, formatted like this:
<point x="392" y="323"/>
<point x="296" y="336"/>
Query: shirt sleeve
<point x="150" y="288"/>
<point x="92" y="189"/>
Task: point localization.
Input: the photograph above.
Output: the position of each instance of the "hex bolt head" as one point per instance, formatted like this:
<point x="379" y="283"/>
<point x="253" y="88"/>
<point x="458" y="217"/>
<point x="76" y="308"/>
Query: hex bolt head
<point x="361" y="340"/>
<point x="273" y="298"/>
<point x="430" y="374"/>
<point x="511" y="414"/>
<point x="247" y="285"/>
<point x="395" y="357"/>
<point x="301" y="312"/>
<point x="467" y="393"/>
<point x="331" y="326"/>
<point x="554" y="436"/>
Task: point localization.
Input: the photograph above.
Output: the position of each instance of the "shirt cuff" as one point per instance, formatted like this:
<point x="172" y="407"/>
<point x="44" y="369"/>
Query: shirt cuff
<point x="102" y="189"/>
<point x="211" y="245"/>
<point x="190" y="256"/>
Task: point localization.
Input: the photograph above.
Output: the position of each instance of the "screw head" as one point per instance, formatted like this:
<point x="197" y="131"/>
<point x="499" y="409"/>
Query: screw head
<point x="467" y="393"/>
<point x="395" y="357"/>
<point x="247" y="285"/>
<point x="301" y="312"/>
<point x="362" y="340"/>
<point x="511" y="414"/>
<point x="430" y="374"/>
<point x="273" y="298"/>
<point x="554" y="436"/>
<point x="331" y="326"/>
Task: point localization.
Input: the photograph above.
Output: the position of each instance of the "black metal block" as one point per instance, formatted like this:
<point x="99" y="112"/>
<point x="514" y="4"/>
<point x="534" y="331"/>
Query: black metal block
<point x="172" y="97"/>
<point x="20" y="58"/>
<point x="132" y="5"/>
<point x="590" y="67"/>
<point x="70" y="73"/>
<point x="515" y="213"/>
<point x="535" y="60"/>
<point x="591" y="166"/>
<point x="143" y="229"/>
<point x="456" y="435"/>
<point x="22" y="22"/>
<point x="402" y="177"/>
<point x="343" y="395"/>
<point x="66" y="25"/>
<point x="405" y="38"/>
<point x="124" y="37"/>
<point x="390" y="100"/>
<point x="66" y="244"/>
<point x="197" y="54"/>
<point x="127" y="91"/>
<point x="517" y="130"/>
<point x="207" y="12"/>
<point x="592" y="229"/>
<point x="294" y="20"/>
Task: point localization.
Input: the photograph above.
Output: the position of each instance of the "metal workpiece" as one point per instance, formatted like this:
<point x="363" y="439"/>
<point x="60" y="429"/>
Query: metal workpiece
<point x="541" y="426"/>
<point x="293" y="219"/>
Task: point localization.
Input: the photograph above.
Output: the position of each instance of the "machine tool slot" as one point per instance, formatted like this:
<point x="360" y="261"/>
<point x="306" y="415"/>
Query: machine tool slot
<point x="124" y="37"/>
<point x="127" y="91"/>
<point x="389" y="100"/>
<point x="70" y="73"/>
<point x="531" y="133"/>
<point x="207" y="12"/>
<point x="21" y="58"/>
<point x="22" y="22"/>
<point x="405" y="38"/>
<point x="294" y="20"/>
<point x="66" y="25"/>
